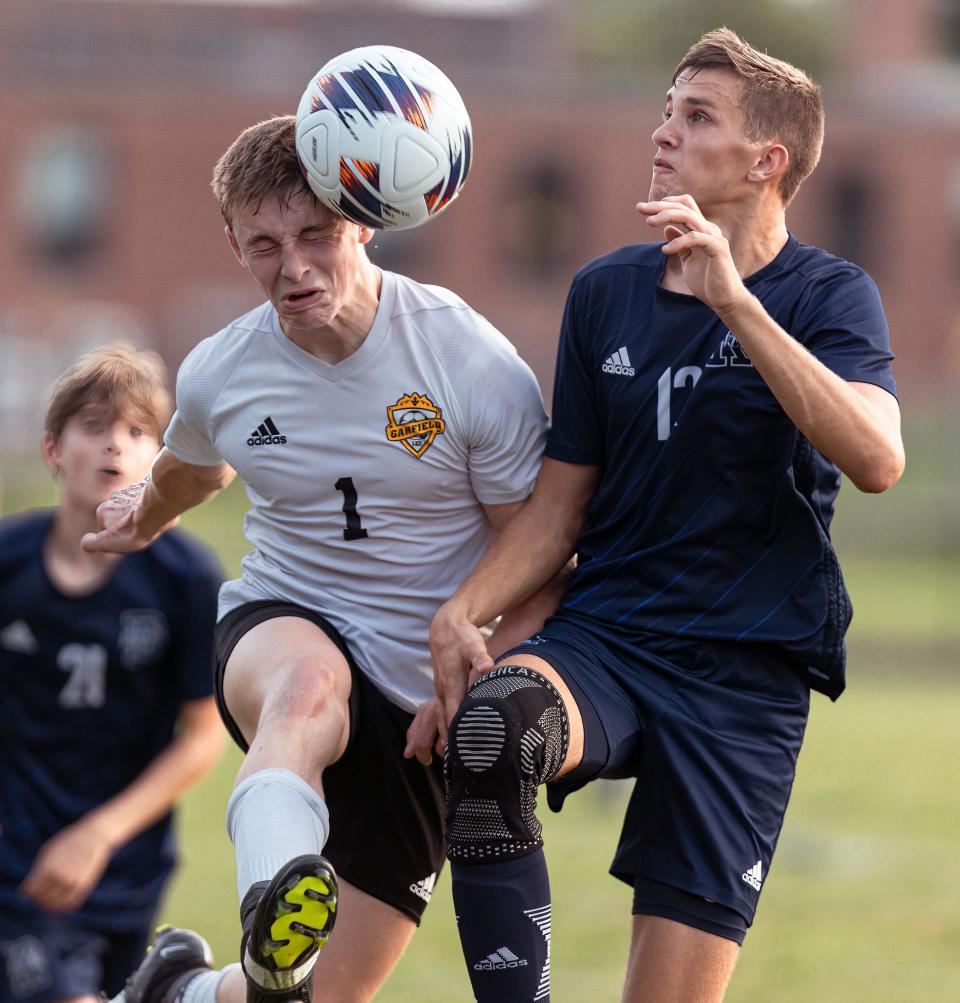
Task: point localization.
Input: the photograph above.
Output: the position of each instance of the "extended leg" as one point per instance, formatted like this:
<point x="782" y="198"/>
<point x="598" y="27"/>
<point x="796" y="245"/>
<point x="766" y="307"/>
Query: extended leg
<point x="287" y="687"/>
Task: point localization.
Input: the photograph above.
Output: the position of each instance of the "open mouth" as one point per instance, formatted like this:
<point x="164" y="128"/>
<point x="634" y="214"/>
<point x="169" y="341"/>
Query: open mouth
<point x="302" y="299"/>
<point x="109" y="471"/>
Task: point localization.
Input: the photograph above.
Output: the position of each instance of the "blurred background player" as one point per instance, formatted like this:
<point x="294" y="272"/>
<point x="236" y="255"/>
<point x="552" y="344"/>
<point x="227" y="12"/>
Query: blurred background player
<point x="105" y="696"/>
<point x="384" y="432"/>
<point x="709" y="392"/>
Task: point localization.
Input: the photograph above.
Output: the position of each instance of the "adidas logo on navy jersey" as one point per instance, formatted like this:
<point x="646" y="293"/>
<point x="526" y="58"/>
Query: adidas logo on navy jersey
<point x="266" y="434"/>
<point x="501" y="959"/>
<point x="754" y="876"/>
<point x="619" y="364"/>
<point x="424" y="889"/>
<point x="17" y="636"/>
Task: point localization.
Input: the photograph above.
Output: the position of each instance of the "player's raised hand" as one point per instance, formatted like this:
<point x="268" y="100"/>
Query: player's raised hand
<point x="68" y="867"/>
<point x="119" y="531"/>
<point x="459" y="654"/>
<point x="701" y="248"/>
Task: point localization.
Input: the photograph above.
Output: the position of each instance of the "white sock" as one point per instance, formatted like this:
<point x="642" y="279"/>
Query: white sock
<point x="272" y="817"/>
<point x="203" y="988"/>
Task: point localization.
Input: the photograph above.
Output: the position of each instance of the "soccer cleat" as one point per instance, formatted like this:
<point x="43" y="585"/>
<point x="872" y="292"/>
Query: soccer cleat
<point x="286" y="924"/>
<point x="175" y="957"/>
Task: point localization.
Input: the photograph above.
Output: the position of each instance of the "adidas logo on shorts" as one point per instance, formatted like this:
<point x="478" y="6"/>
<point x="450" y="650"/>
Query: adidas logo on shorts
<point x="619" y="364"/>
<point x="754" y="876"/>
<point x="266" y="434"/>
<point x="424" y="889"/>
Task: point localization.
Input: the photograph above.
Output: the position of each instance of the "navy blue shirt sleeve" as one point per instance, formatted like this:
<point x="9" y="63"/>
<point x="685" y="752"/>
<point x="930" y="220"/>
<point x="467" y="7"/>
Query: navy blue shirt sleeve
<point x="840" y="319"/>
<point x="576" y="434"/>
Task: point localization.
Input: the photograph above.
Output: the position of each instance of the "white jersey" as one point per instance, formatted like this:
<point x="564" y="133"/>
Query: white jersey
<point x="366" y="477"/>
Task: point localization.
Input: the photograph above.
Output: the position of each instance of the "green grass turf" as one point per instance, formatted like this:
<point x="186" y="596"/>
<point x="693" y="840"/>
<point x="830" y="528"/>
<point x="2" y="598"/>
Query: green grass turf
<point x="860" y="904"/>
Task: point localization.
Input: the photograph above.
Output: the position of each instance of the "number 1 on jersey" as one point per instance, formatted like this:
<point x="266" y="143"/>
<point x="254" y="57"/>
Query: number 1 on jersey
<point x="353" y="530"/>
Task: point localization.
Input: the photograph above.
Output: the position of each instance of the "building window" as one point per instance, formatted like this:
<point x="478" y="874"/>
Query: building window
<point x="541" y="221"/>
<point x="950" y="23"/>
<point x="851" y="203"/>
<point x="62" y="196"/>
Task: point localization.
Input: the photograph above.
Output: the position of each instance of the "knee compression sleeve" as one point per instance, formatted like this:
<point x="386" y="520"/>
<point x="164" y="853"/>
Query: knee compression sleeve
<point x="509" y="736"/>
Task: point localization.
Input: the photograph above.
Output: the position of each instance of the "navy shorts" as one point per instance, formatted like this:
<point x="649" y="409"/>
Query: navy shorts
<point x="711" y="731"/>
<point x="46" y="957"/>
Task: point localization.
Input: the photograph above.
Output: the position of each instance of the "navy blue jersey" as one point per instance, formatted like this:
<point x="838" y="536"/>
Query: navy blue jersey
<point x="711" y="518"/>
<point x="90" y="689"/>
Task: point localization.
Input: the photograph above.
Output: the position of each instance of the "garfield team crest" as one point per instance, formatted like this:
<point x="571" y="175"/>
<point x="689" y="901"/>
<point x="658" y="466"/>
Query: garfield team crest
<point x="414" y="421"/>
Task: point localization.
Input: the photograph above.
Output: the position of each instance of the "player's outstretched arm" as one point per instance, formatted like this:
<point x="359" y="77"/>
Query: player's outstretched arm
<point x="133" y="518"/>
<point x="69" y="865"/>
<point x="526" y="555"/>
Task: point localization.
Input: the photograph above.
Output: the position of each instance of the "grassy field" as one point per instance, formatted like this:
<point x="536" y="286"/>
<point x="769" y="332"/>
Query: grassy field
<point x="861" y="902"/>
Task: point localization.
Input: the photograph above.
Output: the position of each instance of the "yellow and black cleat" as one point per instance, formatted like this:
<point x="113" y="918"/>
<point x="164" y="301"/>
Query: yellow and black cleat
<point x="291" y="924"/>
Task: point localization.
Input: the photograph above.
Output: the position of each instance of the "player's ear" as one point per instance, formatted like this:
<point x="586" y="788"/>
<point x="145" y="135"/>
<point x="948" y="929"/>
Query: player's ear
<point x="50" y="453"/>
<point x="771" y="163"/>
<point x="366" y="234"/>
<point x="234" y="246"/>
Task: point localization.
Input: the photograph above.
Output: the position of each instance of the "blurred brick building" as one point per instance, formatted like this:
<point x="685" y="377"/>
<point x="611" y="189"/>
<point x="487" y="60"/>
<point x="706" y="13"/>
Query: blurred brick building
<point x="114" y="113"/>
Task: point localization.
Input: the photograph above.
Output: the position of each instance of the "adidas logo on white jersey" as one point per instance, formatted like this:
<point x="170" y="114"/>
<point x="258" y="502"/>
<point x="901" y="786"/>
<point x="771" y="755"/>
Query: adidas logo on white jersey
<point x="424" y="889"/>
<point x="17" y="636"/>
<point x="619" y="364"/>
<point x="500" y="960"/>
<point x="754" y="877"/>
<point x="266" y="434"/>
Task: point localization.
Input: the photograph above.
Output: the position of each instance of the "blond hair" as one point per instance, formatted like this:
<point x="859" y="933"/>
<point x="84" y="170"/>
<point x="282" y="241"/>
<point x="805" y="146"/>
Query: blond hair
<point x="779" y="102"/>
<point x="112" y="380"/>
<point x="261" y="162"/>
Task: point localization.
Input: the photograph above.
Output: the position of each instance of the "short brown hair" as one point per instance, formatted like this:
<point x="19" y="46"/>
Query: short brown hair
<point x="779" y="102"/>
<point x="112" y="380"/>
<point x="262" y="161"/>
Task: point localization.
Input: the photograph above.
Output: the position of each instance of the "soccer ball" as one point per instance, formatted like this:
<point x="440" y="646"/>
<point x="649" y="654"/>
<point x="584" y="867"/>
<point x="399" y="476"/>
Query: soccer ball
<point x="384" y="137"/>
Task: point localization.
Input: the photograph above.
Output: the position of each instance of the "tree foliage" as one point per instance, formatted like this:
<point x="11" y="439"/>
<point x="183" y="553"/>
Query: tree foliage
<point x="644" y="39"/>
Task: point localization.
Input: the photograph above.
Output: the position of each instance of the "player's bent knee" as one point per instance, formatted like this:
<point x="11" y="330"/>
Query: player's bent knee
<point x="306" y="689"/>
<point x="509" y="736"/>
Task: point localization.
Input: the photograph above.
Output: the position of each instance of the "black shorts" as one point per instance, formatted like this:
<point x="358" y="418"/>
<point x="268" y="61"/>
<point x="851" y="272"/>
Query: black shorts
<point x="386" y="812"/>
<point x="46" y="957"/>
<point x="711" y="730"/>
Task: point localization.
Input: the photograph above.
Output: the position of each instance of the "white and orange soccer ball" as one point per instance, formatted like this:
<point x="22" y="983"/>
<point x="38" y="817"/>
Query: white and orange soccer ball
<point x="384" y="137"/>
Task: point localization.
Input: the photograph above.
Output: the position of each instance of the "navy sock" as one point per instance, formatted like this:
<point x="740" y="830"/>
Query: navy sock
<point x="503" y="915"/>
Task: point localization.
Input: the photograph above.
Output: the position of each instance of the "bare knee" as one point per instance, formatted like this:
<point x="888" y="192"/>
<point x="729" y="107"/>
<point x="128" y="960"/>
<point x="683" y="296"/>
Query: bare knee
<point x="304" y="692"/>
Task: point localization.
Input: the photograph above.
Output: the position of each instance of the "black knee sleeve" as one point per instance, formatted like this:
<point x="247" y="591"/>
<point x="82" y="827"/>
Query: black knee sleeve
<point x="509" y="736"/>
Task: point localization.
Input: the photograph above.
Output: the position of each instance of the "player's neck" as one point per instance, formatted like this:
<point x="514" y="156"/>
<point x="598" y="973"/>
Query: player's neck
<point x="73" y="570"/>
<point x="751" y="250"/>
<point x="756" y="233"/>
<point x="348" y="330"/>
